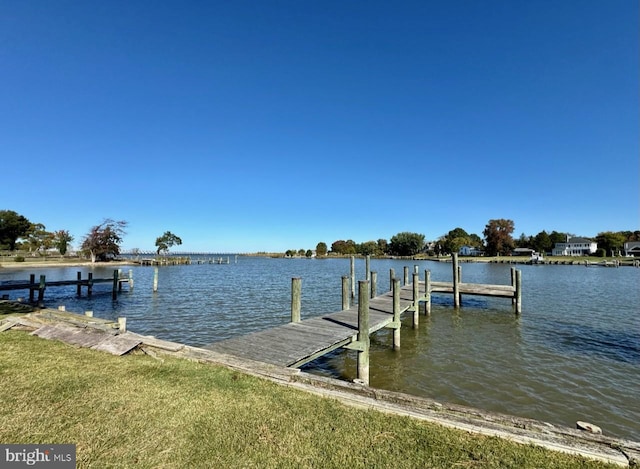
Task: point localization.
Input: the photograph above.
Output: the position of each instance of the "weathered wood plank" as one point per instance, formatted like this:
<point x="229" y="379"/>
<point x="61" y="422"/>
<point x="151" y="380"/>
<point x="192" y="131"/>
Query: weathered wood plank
<point x="117" y="345"/>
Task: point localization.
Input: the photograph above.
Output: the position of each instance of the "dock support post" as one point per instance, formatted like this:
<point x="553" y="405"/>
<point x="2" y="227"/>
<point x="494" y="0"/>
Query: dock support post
<point x="363" y="331"/>
<point x="116" y="282"/>
<point x="79" y="285"/>
<point x="90" y="285"/>
<point x="456" y="281"/>
<point x="296" y="298"/>
<point x="513" y="284"/>
<point x="119" y="278"/>
<point x="427" y="292"/>
<point x="518" y="291"/>
<point x="374" y="284"/>
<point x="346" y="299"/>
<point x="122" y="325"/>
<point x="396" y="313"/>
<point x="130" y="279"/>
<point x="367" y="267"/>
<point x="41" y="288"/>
<point x="352" y="271"/>
<point x="392" y="277"/>
<point x="416" y="299"/>
<point x="155" y="279"/>
<point x="32" y="282"/>
<point x="406" y="275"/>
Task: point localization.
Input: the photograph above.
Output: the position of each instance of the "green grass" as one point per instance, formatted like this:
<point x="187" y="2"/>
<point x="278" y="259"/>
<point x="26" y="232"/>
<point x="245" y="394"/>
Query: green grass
<point x="135" y="411"/>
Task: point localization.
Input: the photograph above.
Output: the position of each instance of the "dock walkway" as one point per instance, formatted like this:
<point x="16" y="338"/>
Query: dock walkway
<point x="297" y="343"/>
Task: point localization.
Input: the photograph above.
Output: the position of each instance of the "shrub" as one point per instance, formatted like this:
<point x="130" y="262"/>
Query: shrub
<point x="600" y="253"/>
<point x="19" y="259"/>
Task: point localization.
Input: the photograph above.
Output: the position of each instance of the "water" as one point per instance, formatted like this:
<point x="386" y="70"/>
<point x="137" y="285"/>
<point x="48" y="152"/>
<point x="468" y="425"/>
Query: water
<point x="573" y="354"/>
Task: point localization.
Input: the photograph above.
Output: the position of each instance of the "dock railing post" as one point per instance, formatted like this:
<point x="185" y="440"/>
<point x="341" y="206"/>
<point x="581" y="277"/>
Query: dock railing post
<point x="119" y="279"/>
<point x="130" y="279"/>
<point x="456" y="280"/>
<point x="406" y="275"/>
<point x="90" y="284"/>
<point x="346" y="299"/>
<point x="296" y="298"/>
<point x="427" y="292"/>
<point x="416" y="299"/>
<point x="392" y="277"/>
<point x="395" y="284"/>
<point x="79" y="284"/>
<point x="374" y="284"/>
<point x="352" y="272"/>
<point x="518" y="291"/>
<point x="363" y="331"/>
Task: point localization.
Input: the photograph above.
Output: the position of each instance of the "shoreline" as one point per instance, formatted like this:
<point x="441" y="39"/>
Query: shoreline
<point x="50" y="264"/>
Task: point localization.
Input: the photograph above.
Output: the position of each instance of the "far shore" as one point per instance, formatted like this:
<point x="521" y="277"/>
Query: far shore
<point x="43" y="263"/>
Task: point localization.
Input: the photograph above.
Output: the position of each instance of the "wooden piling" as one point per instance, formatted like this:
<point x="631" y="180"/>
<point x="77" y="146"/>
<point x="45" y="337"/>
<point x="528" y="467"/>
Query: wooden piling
<point x="406" y="275"/>
<point x="416" y="298"/>
<point x="346" y="299"/>
<point x="374" y="283"/>
<point x="392" y="277"/>
<point x="90" y="284"/>
<point x="456" y="281"/>
<point x="114" y="288"/>
<point x="32" y="281"/>
<point x="518" y="292"/>
<point x="296" y="298"/>
<point x="79" y="286"/>
<point x="396" y="313"/>
<point x="155" y="279"/>
<point x="130" y="279"/>
<point x="352" y="272"/>
<point x="122" y="325"/>
<point x="41" y="288"/>
<point x="119" y="277"/>
<point x="88" y="314"/>
<point x="363" y="331"/>
<point x="427" y="292"/>
<point x="513" y="284"/>
<point x="367" y="267"/>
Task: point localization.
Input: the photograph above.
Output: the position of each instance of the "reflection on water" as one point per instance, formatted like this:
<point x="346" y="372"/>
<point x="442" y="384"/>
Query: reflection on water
<point x="573" y="354"/>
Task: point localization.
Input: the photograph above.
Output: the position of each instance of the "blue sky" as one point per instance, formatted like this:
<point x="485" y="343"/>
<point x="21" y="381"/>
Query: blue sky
<point x="246" y="126"/>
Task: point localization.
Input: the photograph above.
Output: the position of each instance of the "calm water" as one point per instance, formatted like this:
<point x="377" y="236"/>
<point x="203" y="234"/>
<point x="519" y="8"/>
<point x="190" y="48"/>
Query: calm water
<point x="574" y="353"/>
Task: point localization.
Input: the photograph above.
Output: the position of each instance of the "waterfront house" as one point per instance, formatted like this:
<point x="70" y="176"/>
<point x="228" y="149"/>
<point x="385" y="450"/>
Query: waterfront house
<point x="632" y="248"/>
<point x="575" y="247"/>
<point x="470" y="251"/>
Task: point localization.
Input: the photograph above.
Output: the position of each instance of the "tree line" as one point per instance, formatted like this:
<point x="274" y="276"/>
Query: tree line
<point x="101" y="243"/>
<point x="103" y="240"/>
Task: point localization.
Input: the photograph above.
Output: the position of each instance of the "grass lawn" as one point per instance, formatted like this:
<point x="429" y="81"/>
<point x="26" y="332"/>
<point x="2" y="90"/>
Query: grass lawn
<point x="136" y="411"/>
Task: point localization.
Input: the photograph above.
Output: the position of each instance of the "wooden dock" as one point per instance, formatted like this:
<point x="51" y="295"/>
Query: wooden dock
<point x="300" y="342"/>
<point x="42" y="284"/>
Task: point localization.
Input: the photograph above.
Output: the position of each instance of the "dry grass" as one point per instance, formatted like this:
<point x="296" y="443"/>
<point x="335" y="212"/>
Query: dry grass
<point x="135" y="411"/>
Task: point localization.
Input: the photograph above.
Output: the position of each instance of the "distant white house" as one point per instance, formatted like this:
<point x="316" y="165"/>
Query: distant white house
<point x="575" y="247"/>
<point x="632" y="248"/>
<point x="470" y="251"/>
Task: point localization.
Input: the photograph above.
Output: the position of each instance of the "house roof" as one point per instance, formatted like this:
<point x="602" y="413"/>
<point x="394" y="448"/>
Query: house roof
<point x="581" y="240"/>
